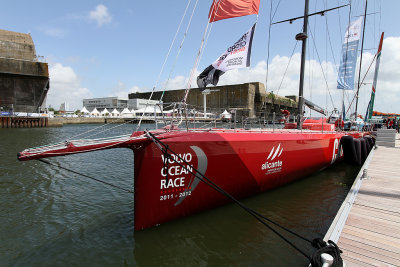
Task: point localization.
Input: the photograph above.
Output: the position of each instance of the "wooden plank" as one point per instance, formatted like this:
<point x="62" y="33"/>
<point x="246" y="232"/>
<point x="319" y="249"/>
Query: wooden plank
<point x="374" y="243"/>
<point x="376" y="212"/>
<point x="379" y="203"/>
<point x="370" y="235"/>
<point x="363" y="260"/>
<point x="375" y="220"/>
<point x="380" y="228"/>
<point x="374" y="250"/>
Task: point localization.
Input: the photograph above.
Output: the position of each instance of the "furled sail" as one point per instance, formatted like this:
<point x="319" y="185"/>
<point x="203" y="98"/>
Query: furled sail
<point x="225" y="9"/>
<point x="235" y="57"/>
<point x="349" y="56"/>
<point x="371" y="101"/>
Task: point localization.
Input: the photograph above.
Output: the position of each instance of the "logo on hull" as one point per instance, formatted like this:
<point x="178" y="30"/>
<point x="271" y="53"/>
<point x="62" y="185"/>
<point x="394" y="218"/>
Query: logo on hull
<point x="178" y="178"/>
<point x="273" y="164"/>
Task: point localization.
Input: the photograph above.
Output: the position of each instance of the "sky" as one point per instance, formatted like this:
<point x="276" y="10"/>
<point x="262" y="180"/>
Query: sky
<point x="112" y="48"/>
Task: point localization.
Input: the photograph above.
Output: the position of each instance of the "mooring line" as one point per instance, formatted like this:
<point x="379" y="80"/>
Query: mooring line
<point x="322" y="246"/>
<point x="87" y="176"/>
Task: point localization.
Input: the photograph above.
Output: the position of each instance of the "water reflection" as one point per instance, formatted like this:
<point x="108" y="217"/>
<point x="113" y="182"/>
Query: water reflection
<point x="54" y="217"/>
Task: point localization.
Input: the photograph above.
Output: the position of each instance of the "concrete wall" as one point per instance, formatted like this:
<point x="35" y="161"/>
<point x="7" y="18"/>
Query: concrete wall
<point x="249" y="99"/>
<point x="16" y="45"/>
<point x="24" y="81"/>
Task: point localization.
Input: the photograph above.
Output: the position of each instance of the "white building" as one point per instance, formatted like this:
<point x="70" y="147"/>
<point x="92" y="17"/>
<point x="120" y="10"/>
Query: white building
<point x="138" y="103"/>
<point x="105" y="102"/>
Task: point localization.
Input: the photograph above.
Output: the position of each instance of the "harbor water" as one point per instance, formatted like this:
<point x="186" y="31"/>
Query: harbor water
<point x="51" y="217"/>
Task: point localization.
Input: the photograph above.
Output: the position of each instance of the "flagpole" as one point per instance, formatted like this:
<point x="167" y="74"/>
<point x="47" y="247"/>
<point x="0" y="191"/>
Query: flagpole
<point x="303" y="37"/>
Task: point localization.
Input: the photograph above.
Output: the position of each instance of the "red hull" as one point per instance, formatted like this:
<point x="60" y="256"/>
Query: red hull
<point x="242" y="164"/>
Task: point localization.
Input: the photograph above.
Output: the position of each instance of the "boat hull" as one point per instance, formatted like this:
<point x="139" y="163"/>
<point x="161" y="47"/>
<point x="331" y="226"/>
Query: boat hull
<point x="241" y="163"/>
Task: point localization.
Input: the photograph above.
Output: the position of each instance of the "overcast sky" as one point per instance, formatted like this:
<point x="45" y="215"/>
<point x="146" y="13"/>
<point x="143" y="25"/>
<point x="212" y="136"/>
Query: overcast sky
<point x="111" y="48"/>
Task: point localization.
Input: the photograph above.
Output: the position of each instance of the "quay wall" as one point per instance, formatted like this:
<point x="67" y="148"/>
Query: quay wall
<point x="250" y="100"/>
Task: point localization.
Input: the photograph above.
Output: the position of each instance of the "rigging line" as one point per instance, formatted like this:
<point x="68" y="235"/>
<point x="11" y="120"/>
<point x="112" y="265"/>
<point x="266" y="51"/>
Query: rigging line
<point x="201" y="49"/>
<point x="179" y="50"/>
<point x="276" y="9"/>
<point x="340" y="24"/>
<point x="74" y="136"/>
<point x="269" y="39"/>
<point x="98" y="127"/>
<point x="287" y="66"/>
<point x="164" y="149"/>
<point x="330" y="41"/>
<point x="162" y="68"/>
<point x="313" y="56"/>
<point x="268" y="44"/>
<point x="363" y="80"/>
<point x="361" y="55"/>
<point x="86" y="176"/>
<point x="323" y="73"/>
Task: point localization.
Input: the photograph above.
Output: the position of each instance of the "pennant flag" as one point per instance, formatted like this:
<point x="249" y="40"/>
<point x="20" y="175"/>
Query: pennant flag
<point x="225" y="9"/>
<point x="378" y="60"/>
<point x="349" y="56"/>
<point x="236" y="56"/>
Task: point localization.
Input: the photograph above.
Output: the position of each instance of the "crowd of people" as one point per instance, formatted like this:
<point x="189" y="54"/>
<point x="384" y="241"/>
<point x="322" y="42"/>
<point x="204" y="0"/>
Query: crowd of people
<point x="392" y="124"/>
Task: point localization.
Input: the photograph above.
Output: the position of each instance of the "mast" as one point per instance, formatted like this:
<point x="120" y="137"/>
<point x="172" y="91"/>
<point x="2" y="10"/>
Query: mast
<point x="303" y="37"/>
<point x="362" y="48"/>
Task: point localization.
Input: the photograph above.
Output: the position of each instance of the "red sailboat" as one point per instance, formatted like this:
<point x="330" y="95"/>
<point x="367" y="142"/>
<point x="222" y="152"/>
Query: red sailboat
<point x="170" y="163"/>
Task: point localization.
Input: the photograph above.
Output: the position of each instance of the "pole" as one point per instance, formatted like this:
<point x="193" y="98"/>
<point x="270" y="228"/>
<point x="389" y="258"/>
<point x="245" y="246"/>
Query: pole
<point x="205" y="103"/>
<point x="361" y="56"/>
<point x="302" y="36"/>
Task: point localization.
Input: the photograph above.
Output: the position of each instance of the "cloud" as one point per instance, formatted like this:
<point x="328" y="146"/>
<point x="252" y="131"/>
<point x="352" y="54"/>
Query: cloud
<point x="100" y="15"/>
<point x="283" y="79"/>
<point x="121" y="90"/>
<point x="65" y="87"/>
<point x="53" y="31"/>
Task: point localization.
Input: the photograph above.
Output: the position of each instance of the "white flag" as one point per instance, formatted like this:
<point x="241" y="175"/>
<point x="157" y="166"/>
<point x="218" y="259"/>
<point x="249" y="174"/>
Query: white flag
<point x="238" y="55"/>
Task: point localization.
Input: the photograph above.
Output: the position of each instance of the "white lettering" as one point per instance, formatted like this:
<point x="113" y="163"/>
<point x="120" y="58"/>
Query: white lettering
<point x="172" y="183"/>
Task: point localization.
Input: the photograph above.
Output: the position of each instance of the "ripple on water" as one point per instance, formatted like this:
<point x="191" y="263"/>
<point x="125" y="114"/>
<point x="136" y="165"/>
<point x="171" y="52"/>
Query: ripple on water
<point x="58" y="218"/>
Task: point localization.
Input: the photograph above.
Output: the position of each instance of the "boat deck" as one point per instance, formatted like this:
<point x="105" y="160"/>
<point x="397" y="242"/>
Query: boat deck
<point x="367" y="226"/>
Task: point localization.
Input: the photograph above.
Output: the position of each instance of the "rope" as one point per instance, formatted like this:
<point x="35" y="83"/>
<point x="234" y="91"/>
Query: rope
<point x="322" y="70"/>
<point x="261" y="218"/>
<point x="86" y="176"/>
<point x="331" y="249"/>
<point x="287" y="66"/>
<point x="179" y="51"/>
<point x="162" y="68"/>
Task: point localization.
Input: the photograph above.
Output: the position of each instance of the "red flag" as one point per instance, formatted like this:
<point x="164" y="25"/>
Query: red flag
<point x="225" y="9"/>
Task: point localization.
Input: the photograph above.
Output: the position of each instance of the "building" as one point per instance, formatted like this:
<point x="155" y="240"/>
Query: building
<point x="248" y="100"/>
<point x="105" y="102"/>
<point x="138" y="103"/>
<point x="24" y="80"/>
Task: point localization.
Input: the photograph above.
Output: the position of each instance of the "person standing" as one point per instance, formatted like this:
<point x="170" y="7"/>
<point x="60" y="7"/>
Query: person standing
<point x="398" y="125"/>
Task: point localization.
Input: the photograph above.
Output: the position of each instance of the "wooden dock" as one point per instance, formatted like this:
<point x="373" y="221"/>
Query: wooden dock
<point x="367" y="226"/>
<point x="22" y="122"/>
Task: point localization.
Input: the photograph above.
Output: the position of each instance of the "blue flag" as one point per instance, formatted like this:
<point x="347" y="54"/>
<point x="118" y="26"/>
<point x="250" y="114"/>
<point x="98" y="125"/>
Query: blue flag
<point x="348" y="61"/>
